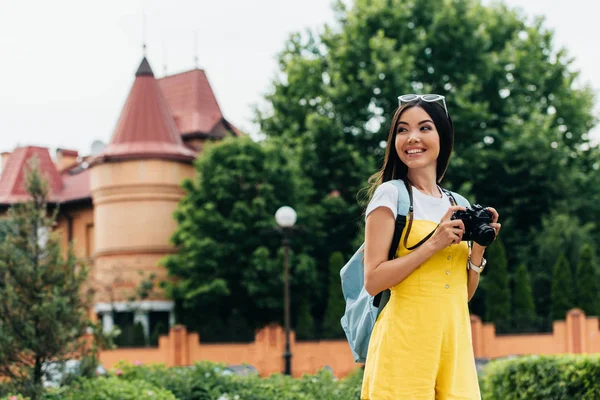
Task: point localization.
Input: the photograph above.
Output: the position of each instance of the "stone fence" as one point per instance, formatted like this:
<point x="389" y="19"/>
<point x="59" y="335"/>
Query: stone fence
<point x="577" y="334"/>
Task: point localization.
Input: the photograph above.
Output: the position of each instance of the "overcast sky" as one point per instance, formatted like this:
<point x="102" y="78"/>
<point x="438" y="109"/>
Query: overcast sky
<point x="67" y="66"/>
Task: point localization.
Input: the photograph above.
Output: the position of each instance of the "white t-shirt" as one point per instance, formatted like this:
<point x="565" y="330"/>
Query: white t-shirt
<point x="425" y="207"/>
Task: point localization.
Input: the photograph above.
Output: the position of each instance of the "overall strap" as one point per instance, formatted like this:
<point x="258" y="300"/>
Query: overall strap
<point x="410" y="220"/>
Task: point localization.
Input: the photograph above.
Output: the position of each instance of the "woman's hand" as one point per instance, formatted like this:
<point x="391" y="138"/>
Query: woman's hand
<point x="494" y="225"/>
<point x="449" y="231"/>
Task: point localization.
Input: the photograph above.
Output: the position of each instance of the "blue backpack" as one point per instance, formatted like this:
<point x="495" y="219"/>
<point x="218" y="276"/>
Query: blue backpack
<point x="362" y="309"/>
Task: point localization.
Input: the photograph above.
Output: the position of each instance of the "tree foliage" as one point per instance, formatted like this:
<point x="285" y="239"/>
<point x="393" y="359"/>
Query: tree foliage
<point x="521" y="120"/>
<point x="586" y="282"/>
<point x="498" y="303"/>
<point x="335" y="299"/>
<point x="559" y="233"/>
<point x="43" y="312"/>
<point x="524" y="316"/>
<point x="521" y="124"/>
<point x="562" y="288"/>
<point x="227" y="258"/>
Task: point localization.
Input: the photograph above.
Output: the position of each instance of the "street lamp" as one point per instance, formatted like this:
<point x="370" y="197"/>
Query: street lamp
<point x="286" y="218"/>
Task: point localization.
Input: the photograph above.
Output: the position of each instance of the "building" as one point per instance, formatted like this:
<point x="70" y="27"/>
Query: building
<point x="117" y="205"/>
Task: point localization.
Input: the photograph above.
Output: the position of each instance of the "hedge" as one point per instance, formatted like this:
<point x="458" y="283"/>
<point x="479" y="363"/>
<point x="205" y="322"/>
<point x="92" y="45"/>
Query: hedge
<point x="106" y="389"/>
<point x="206" y="380"/>
<point x="542" y="377"/>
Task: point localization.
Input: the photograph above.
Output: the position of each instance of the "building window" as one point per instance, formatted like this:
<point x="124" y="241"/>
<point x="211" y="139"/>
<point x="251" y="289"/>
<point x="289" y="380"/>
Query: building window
<point x="89" y="240"/>
<point x="159" y="325"/>
<point x="125" y="322"/>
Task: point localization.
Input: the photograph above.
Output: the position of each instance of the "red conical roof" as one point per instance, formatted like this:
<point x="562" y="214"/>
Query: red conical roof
<point x="146" y="128"/>
<point x="12" y="180"/>
<point x="194" y="105"/>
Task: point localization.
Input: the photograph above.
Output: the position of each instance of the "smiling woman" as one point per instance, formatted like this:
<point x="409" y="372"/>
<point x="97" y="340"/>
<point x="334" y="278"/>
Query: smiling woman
<point x="417" y="141"/>
<point x="420" y="346"/>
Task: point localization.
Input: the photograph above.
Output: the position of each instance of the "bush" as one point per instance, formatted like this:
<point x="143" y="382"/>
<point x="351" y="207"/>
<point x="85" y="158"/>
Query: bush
<point x="202" y="381"/>
<point x="206" y="380"/>
<point x="113" y="388"/>
<point x="542" y="377"/>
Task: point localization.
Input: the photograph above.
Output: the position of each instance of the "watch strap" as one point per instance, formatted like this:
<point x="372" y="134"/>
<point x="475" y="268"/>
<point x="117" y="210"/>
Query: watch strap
<point x="476" y="268"/>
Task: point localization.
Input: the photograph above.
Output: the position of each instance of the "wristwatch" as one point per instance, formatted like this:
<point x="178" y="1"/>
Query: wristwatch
<point x="475" y="267"/>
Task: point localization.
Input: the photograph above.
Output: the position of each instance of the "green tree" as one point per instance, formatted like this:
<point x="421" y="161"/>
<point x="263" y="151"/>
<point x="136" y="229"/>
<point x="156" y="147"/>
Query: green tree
<point x="228" y="252"/>
<point x="584" y="186"/>
<point x="305" y="324"/>
<point x="521" y="124"/>
<point x="335" y="302"/>
<point x="586" y="279"/>
<point x="3" y="229"/>
<point x="562" y="288"/>
<point x="559" y="233"/>
<point x="44" y="299"/>
<point x="523" y="307"/>
<point x="497" y="301"/>
<point x="477" y="303"/>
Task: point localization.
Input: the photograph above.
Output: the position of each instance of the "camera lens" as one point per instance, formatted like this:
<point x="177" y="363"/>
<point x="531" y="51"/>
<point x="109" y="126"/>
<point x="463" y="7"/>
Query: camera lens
<point x="484" y="235"/>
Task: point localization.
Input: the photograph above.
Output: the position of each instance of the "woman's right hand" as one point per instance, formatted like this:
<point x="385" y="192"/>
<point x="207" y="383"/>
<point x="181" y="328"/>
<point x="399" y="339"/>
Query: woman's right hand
<point x="449" y="231"/>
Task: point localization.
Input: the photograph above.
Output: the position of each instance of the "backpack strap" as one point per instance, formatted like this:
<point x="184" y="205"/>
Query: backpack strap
<point x="404" y="207"/>
<point x="403" y="210"/>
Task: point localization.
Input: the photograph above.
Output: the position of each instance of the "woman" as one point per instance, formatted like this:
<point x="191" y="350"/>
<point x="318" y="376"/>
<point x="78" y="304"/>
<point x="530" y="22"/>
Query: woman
<point x="421" y="344"/>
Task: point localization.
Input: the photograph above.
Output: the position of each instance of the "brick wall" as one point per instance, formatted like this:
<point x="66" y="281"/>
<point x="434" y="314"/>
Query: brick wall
<point x="577" y="334"/>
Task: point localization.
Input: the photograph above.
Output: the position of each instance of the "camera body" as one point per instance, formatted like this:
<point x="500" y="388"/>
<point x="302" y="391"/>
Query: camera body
<point x="477" y="221"/>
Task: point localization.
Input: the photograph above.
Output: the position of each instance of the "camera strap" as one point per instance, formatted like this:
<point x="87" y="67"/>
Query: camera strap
<point x="449" y="194"/>
<point x="411" y="215"/>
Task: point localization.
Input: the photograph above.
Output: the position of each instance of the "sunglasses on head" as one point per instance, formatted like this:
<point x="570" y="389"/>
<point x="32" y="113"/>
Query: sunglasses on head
<point x="409" y="98"/>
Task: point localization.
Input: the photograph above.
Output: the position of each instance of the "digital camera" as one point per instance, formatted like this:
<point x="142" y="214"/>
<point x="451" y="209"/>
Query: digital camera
<point x="477" y="221"/>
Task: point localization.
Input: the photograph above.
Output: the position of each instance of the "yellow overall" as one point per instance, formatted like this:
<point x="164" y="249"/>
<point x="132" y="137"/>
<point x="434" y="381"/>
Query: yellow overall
<point x="421" y="345"/>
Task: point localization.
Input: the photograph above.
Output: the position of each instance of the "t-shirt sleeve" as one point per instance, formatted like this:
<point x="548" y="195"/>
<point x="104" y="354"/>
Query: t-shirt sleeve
<point x="386" y="195"/>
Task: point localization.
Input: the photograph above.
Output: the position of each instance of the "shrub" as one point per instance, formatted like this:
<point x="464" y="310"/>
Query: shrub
<point x="113" y="388"/>
<point x="542" y="377"/>
<point x="206" y="380"/>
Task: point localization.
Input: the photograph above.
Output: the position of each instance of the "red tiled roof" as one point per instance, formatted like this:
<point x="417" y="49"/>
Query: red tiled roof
<point x="152" y="121"/>
<point x="193" y="104"/>
<point x="146" y="127"/>
<point x="67" y="152"/>
<point x="12" y="180"/>
<point x="77" y="186"/>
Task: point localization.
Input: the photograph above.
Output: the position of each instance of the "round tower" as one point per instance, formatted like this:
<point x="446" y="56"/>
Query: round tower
<point x="135" y="184"/>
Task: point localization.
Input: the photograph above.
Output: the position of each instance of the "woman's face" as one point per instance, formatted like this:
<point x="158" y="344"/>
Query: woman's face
<point x="417" y="139"/>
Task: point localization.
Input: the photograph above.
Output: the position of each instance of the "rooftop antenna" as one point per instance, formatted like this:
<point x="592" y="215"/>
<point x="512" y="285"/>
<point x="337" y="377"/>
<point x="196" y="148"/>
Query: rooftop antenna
<point x="165" y="57"/>
<point x="144" y="32"/>
<point x="196" y="50"/>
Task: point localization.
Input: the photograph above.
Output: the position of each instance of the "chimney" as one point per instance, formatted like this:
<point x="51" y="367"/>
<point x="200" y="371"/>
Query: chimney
<point x="65" y="159"/>
<point x="5" y="155"/>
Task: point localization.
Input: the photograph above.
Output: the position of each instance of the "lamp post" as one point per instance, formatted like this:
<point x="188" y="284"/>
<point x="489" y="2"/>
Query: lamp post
<point x="286" y="218"/>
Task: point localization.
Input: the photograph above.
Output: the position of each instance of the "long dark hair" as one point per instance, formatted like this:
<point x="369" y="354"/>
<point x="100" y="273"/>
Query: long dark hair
<point x="393" y="167"/>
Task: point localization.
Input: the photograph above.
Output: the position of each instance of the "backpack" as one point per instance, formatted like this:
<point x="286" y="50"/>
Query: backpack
<point x="362" y="309"/>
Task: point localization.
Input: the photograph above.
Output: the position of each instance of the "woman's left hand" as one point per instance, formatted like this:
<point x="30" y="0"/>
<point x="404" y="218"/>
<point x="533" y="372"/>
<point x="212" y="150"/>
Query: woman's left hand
<point x="494" y="225"/>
